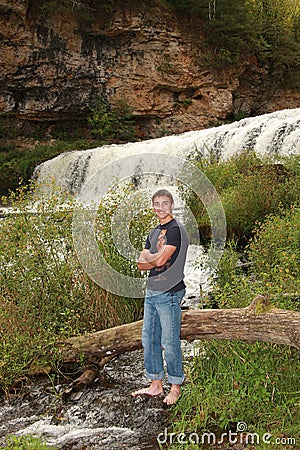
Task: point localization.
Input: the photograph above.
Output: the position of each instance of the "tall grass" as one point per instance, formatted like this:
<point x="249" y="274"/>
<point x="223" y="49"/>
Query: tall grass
<point x="45" y="295"/>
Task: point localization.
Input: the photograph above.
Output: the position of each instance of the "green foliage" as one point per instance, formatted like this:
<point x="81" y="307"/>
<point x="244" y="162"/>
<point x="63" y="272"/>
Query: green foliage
<point x="123" y="202"/>
<point x="229" y="27"/>
<point x="26" y="443"/>
<point x="51" y="6"/>
<point x="19" y="164"/>
<point x="277" y="243"/>
<point x="251" y="199"/>
<point x="267" y="28"/>
<point x="250" y="188"/>
<point x="277" y="25"/>
<point x="45" y="295"/>
<point x="238" y="382"/>
<point x="273" y="256"/>
<point x="231" y="30"/>
<point x="231" y="287"/>
<point x="113" y="124"/>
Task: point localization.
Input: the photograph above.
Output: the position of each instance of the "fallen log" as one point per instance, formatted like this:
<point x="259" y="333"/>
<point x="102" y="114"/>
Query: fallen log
<point x="259" y="321"/>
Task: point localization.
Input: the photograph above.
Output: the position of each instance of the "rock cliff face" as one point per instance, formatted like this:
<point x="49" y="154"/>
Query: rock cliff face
<point x="54" y="68"/>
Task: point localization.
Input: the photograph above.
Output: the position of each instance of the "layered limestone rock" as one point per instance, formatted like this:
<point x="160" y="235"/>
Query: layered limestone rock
<point x="55" y="66"/>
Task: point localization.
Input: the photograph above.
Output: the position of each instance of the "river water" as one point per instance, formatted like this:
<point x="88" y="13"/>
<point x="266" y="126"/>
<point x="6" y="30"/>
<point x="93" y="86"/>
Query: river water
<point x="103" y="415"/>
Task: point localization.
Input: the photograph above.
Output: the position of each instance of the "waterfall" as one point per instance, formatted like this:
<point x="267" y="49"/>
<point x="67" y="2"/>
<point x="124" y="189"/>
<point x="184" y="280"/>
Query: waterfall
<point x="276" y="134"/>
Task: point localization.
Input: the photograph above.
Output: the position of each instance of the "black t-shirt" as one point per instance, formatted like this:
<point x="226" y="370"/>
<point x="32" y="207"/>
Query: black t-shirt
<point x="169" y="277"/>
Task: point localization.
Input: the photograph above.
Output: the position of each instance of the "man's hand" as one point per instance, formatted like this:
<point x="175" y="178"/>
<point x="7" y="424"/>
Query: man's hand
<point x="161" y="243"/>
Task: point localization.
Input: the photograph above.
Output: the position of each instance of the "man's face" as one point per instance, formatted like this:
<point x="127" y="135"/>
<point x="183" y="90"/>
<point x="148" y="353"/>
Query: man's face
<point x="162" y="207"/>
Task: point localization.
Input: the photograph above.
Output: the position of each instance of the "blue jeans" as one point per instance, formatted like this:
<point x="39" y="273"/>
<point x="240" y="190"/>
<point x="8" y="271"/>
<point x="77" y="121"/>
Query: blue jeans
<point x="161" y="330"/>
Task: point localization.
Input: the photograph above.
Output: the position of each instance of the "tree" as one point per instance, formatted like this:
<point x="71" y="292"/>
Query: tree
<point x="268" y="28"/>
<point x="259" y="321"/>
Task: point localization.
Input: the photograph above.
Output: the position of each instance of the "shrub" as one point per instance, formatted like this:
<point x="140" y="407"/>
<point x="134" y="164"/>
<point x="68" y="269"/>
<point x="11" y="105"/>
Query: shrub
<point x="18" y="165"/>
<point x="271" y="265"/>
<point x="113" y="124"/>
<point x="269" y="29"/>
<point x="254" y="196"/>
<point x="275" y="254"/>
<point x="250" y="188"/>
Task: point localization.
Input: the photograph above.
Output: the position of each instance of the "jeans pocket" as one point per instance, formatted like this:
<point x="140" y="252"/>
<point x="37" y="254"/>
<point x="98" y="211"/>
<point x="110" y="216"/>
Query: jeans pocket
<point x="178" y="296"/>
<point x="173" y="299"/>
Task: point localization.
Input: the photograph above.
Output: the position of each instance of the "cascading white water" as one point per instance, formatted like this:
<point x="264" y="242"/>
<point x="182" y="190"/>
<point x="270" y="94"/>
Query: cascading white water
<point x="276" y="133"/>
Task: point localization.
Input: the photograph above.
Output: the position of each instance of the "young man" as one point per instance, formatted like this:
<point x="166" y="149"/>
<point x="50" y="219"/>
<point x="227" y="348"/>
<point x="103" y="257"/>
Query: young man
<point x="164" y="255"/>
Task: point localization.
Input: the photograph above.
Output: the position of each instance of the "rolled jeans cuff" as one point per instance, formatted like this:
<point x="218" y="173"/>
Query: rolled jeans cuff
<point x="155" y="376"/>
<point x="175" y="380"/>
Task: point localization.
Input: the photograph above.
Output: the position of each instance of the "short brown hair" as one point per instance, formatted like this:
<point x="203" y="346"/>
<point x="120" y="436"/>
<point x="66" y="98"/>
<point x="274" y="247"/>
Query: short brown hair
<point x="163" y="193"/>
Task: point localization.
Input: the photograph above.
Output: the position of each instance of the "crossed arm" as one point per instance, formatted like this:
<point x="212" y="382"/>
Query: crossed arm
<point x="147" y="260"/>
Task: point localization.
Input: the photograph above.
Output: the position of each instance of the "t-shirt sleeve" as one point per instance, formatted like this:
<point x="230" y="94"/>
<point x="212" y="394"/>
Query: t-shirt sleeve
<point x="148" y="244"/>
<point x="174" y="237"/>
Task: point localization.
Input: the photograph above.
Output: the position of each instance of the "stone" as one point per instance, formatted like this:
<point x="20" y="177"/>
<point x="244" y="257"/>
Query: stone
<point x="55" y="67"/>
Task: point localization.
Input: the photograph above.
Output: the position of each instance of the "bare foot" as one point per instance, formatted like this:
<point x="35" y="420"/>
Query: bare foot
<point x="147" y="391"/>
<point x="172" y="397"/>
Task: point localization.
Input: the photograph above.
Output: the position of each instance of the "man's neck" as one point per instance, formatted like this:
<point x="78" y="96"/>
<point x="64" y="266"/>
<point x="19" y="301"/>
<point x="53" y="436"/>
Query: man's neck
<point x="166" y="220"/>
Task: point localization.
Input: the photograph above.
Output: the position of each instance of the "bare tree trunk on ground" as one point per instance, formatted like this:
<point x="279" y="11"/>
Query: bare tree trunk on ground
<point x="259" y="321"/>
